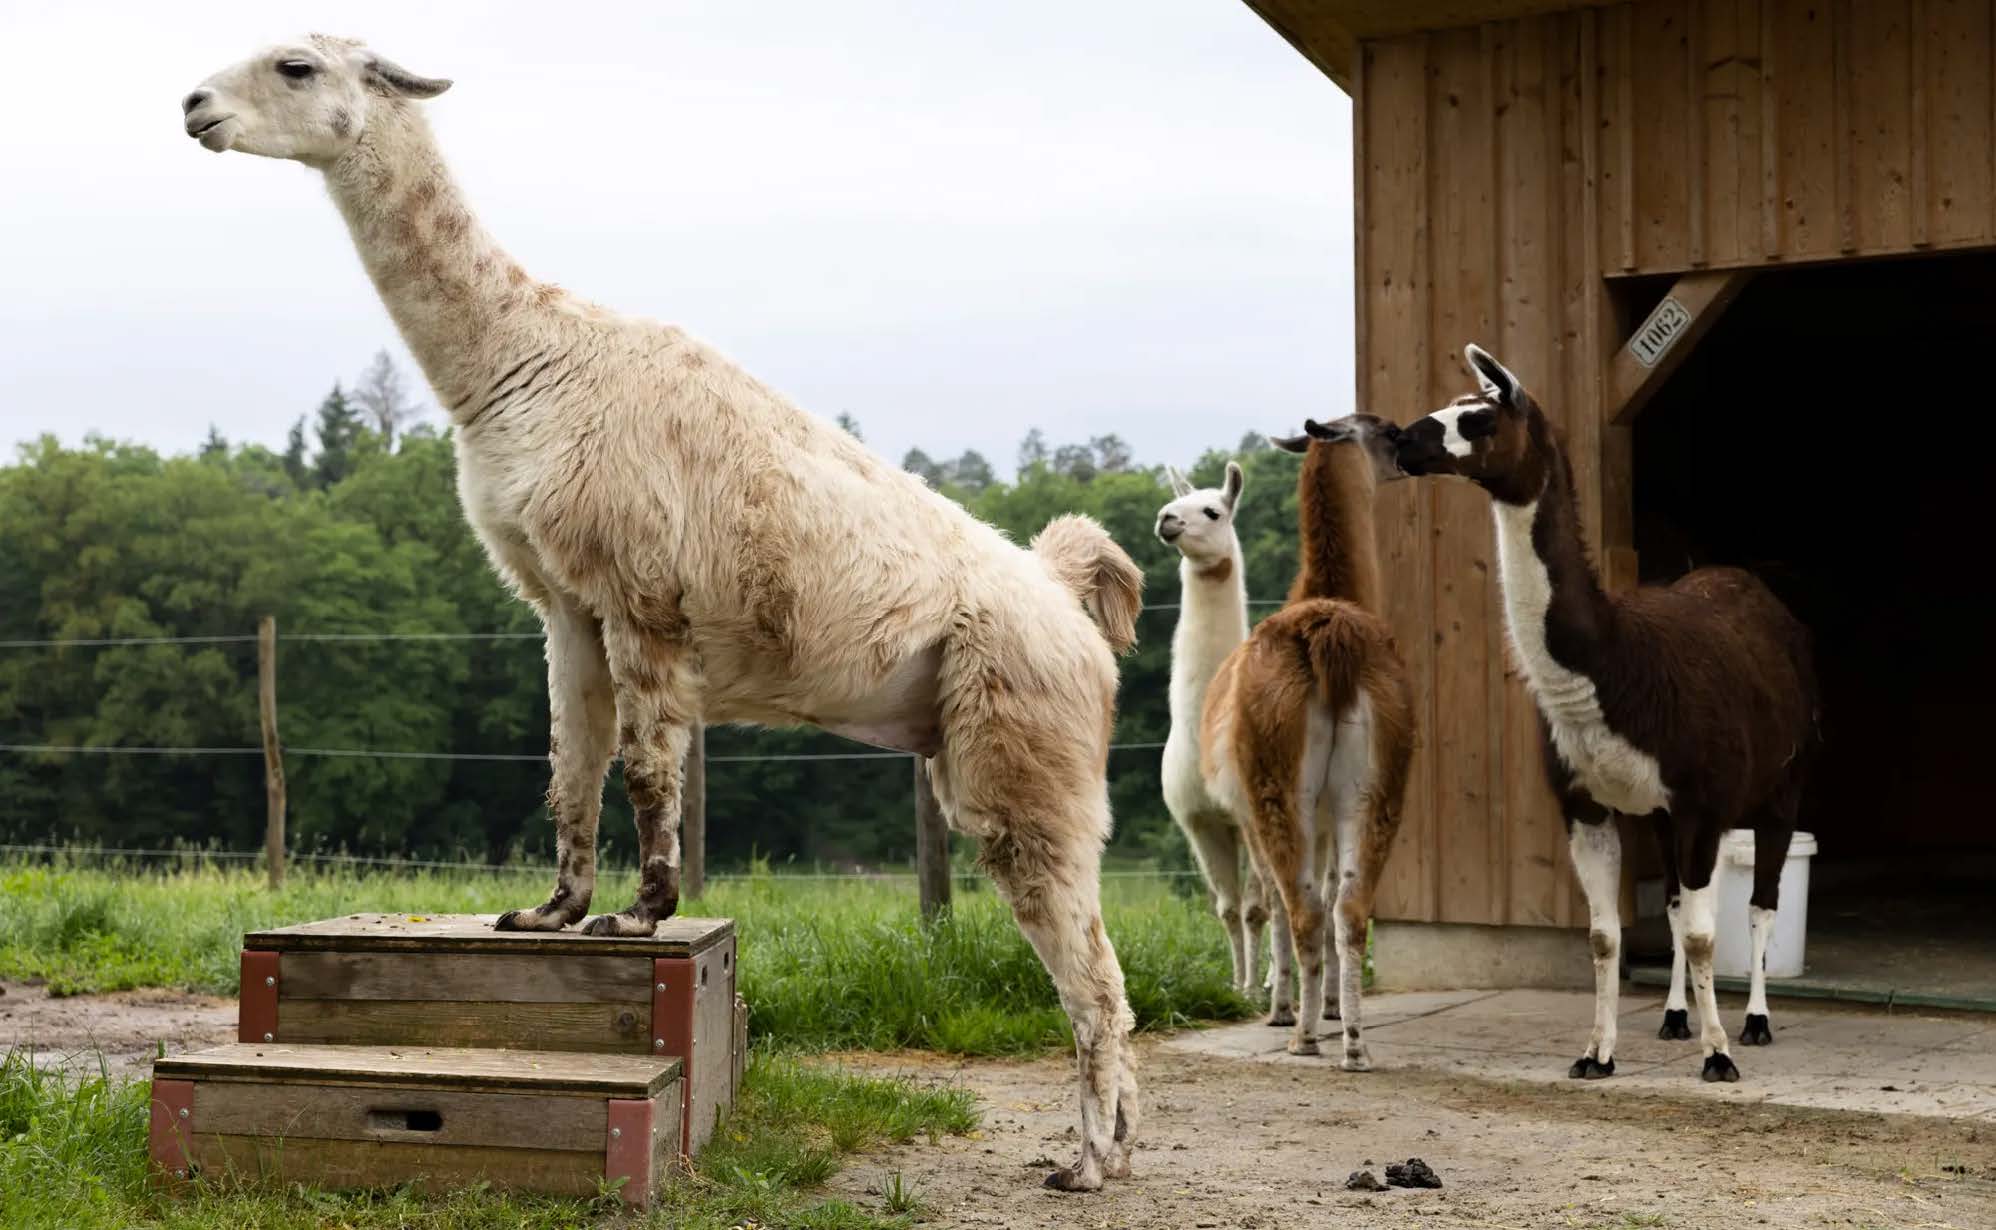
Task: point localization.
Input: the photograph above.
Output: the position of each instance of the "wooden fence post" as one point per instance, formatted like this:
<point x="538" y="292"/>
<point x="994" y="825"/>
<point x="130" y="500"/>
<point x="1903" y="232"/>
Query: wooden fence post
<point x="273" y="754"/>
<point x="931" y="844"/>
<point x="693" y="817"/>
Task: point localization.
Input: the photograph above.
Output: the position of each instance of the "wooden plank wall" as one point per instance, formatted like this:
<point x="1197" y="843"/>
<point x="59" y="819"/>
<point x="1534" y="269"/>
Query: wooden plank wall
<point x="1749" y="132"/>
<point x="1473" y="226"/>
<point x="1505" y="174"/>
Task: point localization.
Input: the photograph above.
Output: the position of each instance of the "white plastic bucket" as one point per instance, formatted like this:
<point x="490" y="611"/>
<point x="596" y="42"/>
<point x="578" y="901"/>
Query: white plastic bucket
<point x="1732" y="955"/>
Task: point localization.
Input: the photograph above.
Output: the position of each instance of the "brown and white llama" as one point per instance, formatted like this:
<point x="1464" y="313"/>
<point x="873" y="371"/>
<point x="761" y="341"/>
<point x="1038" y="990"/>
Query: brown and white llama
<point x="1693" y="704"/>
<point x="702" y="550"/>
<point x="1212" y="622"/>
<point x="1308" y="729"/>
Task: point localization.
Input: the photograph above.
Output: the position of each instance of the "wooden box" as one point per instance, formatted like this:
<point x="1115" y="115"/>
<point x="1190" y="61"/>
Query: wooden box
<point x="561" y="1122"/>
<point x="450" y="980"/>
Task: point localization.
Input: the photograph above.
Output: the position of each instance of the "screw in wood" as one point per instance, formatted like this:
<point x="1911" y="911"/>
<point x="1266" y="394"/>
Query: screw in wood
<point x="616" y="1133"/>
<point x="661" y="986"/>
<point x="270" y="982"/>
<point x="658" y="1044"/>
<point x="183" y="1112"/>
<point x="270" y="1037"/>
<point x="179" y="1174"/>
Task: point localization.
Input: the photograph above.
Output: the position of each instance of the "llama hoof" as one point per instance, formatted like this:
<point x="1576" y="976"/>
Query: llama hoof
<point x="1588" y="1068"/>
<point x="1070" y="1179"/>
<point x="1118" y="1165"/>
<point x="1676" y="1025"/>
<point x="1719" y="1066"/>
<point x="1304" y="1046"/>
<point x="1757" y="1032"/>
<point x="1357" y="1061"/>
<point x="1281" y="1018"/>
<point x="529" y="920"/>
<point x="618" y="924"/>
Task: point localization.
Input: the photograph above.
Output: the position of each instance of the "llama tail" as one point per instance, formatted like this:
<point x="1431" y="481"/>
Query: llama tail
<point x="1334" y="638"/>
<point x="1079" y="553"/>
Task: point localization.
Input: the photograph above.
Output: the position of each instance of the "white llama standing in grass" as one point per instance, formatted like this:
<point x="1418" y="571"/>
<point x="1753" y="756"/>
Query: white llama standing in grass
<point x="701" y="550"/>
<point x="1212" y="622"/>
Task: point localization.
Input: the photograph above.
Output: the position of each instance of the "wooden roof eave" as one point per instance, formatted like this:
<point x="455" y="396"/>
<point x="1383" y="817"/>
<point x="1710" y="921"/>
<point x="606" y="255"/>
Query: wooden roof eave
<point x="1328" y="32"/>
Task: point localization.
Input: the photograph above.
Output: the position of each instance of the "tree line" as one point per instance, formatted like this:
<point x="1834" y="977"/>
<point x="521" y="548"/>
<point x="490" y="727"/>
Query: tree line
<point x="354" y="528"/>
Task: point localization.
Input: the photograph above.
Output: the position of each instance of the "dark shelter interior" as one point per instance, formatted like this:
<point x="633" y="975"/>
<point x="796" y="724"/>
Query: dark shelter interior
<point x="1825" y="435"/>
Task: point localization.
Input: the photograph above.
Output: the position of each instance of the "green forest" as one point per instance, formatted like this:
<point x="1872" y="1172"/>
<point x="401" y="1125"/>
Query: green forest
<point x="355" y="529"/>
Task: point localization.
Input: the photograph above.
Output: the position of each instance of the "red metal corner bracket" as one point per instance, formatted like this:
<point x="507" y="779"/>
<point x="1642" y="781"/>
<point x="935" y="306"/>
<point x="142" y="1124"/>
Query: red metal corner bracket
<point x="672" y="991"/>
<point x="171" y="1130"/>
<point x="627" y="1151"/>
<point x="256" y="998"/>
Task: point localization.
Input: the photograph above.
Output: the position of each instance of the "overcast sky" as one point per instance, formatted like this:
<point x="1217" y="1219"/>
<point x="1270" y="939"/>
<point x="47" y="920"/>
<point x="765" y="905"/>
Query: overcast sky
<point x="953" y="221"/>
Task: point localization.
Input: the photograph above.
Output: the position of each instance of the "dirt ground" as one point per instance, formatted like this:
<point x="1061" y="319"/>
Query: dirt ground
<point x="1235" y="1143"/>
<point x="126" y="1027"/>
<point x="1238" y="1143"/>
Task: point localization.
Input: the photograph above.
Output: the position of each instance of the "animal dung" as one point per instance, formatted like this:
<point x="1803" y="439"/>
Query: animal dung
<point x="1364" y="1181"/>
<point x="1412" y="1173"/>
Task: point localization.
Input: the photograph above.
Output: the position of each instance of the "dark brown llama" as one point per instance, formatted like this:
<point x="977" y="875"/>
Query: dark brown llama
<point x="1307" y="730"/>
<point x="1693" y="704"/>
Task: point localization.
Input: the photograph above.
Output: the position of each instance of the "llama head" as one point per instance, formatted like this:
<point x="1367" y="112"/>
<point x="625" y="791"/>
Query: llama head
<point x="1200" y="523"/>
<point x="1374" y="436"/>
<point x="308" y="100"/>
<point x="1487" y="436"/>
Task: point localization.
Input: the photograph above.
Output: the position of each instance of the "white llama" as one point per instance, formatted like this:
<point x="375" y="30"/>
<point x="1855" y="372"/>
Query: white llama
<point x="700" y="549"/>
<point x="1212" y="622"/>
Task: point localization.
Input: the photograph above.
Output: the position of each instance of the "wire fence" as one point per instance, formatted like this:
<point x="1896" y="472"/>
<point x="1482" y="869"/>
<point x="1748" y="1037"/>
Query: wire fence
<point x="241" y="857"/>
<point x="200" y="854"/>
<point x="397" y="753"/>
<point x="245" y="638"/>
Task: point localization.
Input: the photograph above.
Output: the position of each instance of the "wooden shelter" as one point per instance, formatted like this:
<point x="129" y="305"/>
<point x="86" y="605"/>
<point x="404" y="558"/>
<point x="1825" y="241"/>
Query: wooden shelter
<point x="1591" y="191"/>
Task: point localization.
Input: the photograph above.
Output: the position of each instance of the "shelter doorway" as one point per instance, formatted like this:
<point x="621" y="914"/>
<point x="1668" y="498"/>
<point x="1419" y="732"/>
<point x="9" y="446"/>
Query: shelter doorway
<point x="1829" y="434"/>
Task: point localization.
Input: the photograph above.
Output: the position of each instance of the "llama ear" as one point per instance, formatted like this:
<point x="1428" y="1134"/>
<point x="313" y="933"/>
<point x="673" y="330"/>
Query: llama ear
<point x="1496" y="379"/>
<point x="1231" y="493"/>
<point x="1291" y="444"/>
<point x="399" y="80"/>
<point x="1179" y="487"/>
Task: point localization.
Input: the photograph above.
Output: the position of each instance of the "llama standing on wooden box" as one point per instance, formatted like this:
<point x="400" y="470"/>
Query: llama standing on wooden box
<point x="1308" y="729"/>
<point x="702" y="550"/>
<point x="1693" y="704"/>
<point x="1212" y="622"/>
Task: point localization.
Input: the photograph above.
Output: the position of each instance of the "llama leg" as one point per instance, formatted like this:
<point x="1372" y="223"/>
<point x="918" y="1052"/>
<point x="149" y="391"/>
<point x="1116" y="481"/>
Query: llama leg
<point x="1676" y="1015"/>
<point x="1216" y="844"/>
<point x="1364" y="841"/>
<point x="1254" y="920"/>
<point x="1596" y="848"/>
<point x="656" y="691"/>
<point x="1698" y="855"/>
<point x="1054" y="896"/>
<point x="582" y="726"/>
<point x="1281" y="966"/>
<point x="1327" y="852"/>
<point x="1303" y="902"/>
<point x="1770" y="854"/>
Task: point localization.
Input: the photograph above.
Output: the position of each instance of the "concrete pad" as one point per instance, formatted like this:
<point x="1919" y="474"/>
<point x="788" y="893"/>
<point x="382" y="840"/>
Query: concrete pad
<point x="1827" y="1056"/>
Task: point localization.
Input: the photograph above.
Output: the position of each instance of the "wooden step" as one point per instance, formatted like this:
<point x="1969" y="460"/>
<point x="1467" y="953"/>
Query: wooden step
<point x="450" y="980"/>
<point x="560" y="1122"/>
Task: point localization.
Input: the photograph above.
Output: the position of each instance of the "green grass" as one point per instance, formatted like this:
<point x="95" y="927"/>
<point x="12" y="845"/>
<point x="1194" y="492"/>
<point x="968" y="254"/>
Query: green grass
<point x="73" y="1155"/>
<point x="824" y="964"/>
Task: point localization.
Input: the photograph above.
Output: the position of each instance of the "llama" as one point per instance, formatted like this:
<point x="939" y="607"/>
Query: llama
<point x="701" y="550"/>
<point x="1693" y="704"/>
<point x="1212" y="621"/>
<point x="1309" y="726"/>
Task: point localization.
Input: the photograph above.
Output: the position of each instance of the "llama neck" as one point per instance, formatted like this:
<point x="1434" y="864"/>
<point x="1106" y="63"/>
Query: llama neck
<point x="447" y="284"/>
<point x="1554" y="608"/>
<point x="1340" y="555"/>
<point x="1212" y="622"/>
